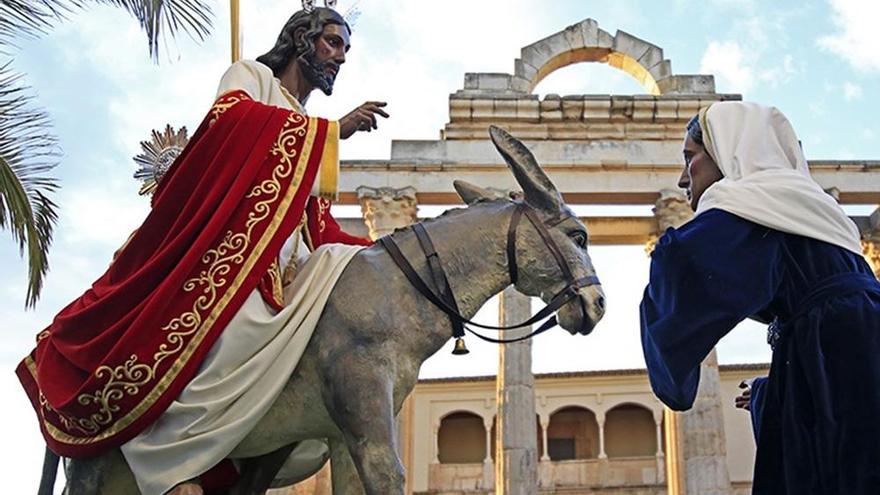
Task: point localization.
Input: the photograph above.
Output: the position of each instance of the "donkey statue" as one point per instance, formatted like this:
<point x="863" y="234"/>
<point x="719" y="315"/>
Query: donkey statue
<point x="377" y="329"/>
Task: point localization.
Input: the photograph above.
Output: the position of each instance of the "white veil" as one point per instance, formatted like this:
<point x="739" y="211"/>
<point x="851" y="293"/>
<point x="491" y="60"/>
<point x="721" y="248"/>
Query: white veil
<point x="766" y="179"/>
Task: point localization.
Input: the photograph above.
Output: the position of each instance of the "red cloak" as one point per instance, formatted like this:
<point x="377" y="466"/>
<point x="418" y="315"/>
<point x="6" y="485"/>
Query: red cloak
<point x="114" y="359"/>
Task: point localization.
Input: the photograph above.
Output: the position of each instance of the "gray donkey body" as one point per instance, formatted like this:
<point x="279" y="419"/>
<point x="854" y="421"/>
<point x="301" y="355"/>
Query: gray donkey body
<point x="376" y="330"/>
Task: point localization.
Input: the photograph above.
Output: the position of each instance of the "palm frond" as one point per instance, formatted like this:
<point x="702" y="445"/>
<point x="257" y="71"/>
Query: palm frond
<point x="160" y="17"/>
<point x="28" y="152"/>
<point x="30" y="18"/>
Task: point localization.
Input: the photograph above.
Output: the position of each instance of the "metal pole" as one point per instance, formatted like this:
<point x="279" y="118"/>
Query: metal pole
<point x="234" y="30"/>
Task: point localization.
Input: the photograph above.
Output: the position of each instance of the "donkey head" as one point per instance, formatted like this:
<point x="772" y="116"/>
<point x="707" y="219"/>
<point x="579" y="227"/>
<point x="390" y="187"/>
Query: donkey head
<point x="539" y="271"/>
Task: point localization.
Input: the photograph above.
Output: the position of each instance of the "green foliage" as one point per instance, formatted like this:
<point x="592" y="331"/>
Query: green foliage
<point x="28" y="149"/>
<point x="31" y="18"/>
<point x="28" y="152"/>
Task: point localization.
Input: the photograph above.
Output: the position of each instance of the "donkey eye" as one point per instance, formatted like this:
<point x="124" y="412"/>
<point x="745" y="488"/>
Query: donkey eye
<point x="579" y="237"/>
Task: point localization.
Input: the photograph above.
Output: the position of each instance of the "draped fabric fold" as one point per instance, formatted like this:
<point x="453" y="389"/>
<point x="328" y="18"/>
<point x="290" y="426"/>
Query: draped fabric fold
<point x="113" y="360"/>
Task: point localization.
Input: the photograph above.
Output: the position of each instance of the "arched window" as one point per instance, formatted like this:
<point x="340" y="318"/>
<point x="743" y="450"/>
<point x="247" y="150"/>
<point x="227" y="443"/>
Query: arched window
<point x="630" y="431"/>
<point x="461" y="439"/>
<point x="573" y="434"/>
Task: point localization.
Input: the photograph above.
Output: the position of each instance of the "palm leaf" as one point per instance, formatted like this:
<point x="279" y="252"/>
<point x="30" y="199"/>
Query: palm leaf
<point x="27" y="153"/>
<point x="157" y="17"/>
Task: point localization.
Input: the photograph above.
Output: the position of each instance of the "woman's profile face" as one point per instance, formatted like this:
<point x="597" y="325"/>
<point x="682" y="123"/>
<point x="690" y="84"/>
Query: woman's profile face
<point x="700" y="171"/>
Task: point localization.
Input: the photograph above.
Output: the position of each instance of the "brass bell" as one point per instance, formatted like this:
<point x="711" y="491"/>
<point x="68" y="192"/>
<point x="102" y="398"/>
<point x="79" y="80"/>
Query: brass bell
<point x="460" y="348"/>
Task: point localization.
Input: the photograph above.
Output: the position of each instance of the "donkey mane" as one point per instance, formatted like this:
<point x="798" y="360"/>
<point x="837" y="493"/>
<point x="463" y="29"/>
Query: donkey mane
<point x="452" y="212"/>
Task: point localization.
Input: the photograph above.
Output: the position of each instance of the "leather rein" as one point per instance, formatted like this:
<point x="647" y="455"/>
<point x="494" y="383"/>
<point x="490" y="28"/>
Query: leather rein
<point x="445" y="300"/>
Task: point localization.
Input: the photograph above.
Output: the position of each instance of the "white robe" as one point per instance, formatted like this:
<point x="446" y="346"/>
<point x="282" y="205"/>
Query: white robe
<point x="250" y="363"/>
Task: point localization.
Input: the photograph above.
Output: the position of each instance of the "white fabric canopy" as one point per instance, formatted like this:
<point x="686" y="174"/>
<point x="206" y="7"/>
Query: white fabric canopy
<point x="766" y="178"/>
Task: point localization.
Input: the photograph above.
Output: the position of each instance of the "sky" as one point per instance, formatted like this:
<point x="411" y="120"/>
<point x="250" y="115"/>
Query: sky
<point x="816" y="60"/>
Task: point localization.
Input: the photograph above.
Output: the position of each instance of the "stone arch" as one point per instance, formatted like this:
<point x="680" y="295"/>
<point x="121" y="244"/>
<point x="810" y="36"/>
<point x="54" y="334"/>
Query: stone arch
<point x="461" y="438"/>
<point x="573" y="433"/>
<point x="630" y="431"/>
<point x="586" y="42"/>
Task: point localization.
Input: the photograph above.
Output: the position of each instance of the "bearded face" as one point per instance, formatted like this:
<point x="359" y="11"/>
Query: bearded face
<point x="320" y="74"/>
<point x="322" y="66"/>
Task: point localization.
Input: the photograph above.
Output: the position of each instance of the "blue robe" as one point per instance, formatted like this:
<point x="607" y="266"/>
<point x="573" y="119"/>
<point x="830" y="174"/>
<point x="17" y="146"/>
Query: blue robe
<point x="817" y="417"/>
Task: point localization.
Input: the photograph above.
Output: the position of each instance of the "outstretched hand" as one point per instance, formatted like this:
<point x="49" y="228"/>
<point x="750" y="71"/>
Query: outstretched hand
<point x="362" y="118"/>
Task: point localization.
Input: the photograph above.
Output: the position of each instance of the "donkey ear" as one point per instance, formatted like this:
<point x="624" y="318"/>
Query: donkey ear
<point x="538" y="190"/>
<point x="471" y="193"/>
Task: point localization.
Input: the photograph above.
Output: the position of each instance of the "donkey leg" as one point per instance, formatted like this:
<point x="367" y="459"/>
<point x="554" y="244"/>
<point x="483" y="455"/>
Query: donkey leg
<point x="257" y="473"/>
<point x="363" y="409"/>
<point x="343" y="473"/>
<point x="105" y="474"/>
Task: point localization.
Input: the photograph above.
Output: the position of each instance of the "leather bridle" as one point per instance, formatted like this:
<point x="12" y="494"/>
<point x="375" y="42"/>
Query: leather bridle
<point x="445" y="301"/>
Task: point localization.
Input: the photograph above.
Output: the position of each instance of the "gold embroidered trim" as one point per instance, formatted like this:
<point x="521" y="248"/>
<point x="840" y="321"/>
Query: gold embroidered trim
<point x="291" y="267"/>
<point x="225" y="102"/>
<point x="275" y="276"/>
<point x="129" y="377"/>
<point x="328" y="181"/>
<point x="323" y="206"/>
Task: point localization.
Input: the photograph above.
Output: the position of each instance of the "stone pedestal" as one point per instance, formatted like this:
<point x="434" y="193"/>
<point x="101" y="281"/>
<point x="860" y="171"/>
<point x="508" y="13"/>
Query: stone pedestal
<point x="516" y="461"/>
<point x="386" y="208"/>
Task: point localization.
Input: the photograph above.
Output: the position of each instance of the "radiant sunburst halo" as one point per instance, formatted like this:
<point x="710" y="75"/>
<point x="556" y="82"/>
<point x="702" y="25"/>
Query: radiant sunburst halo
<point x="157" y="156"/>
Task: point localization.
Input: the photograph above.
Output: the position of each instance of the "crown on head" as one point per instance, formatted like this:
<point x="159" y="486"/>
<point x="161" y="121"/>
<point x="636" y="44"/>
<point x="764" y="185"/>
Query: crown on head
<point x="309" y="5"/>
<point x="350" y="16"/>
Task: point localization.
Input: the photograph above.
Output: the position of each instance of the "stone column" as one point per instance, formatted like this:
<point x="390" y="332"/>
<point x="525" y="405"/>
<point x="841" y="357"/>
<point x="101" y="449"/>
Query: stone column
<point x="871" y="252"/>
<point x="671" y="210"/>
<point x="488" y="467"/>
<point x="516" y="459"/>
<point x="659" y="423"/>
<point x="605" y="477"/>
<point x="436" y="444"/>
<point x="871" y="242"/>
<point x="386" y="208"/>
<point x="487" y="425"/>
<point x="700" y="430"/>
<point x="600" y="421"/>
<point x="545" y="425"/>
<point x="545" y="466"/>
<point x="660" y="456"/>
<point x="704" y="443"/>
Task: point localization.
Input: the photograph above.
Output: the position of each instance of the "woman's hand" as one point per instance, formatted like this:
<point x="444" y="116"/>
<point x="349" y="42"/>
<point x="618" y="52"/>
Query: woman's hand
<point x="744" y="399"/>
